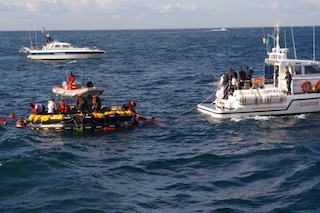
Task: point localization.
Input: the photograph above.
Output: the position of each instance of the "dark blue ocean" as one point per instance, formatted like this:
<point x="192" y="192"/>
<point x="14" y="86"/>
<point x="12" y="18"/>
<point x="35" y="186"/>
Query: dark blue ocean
<point x="194" y="163"/>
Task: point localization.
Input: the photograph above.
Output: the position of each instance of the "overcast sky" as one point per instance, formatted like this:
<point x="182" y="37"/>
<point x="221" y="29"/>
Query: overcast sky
<point x="155" y="14"/>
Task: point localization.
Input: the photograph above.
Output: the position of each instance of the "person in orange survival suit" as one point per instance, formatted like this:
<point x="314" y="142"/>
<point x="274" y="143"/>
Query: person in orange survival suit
<point x="37" y="109"/>
<point x="129" y="106"/>
<point x="71" y="80"/>
<point x="96" y="103"/>
<point x="63" y="107"/>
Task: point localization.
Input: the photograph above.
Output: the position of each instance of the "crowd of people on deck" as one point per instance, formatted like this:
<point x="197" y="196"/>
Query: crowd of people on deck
<point x="233" y="80"/>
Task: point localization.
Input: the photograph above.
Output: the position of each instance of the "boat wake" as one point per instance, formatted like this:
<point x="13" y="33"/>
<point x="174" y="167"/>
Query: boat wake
<point x="71" y="62"/>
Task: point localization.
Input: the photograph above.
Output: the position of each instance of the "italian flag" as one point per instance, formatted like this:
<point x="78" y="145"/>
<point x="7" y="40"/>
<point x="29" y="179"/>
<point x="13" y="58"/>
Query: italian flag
<point x="265" y="40"/>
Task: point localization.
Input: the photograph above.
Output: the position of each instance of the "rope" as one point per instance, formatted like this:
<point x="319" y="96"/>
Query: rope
<point x="210" y="96"/>
<point x="184" y="119"/>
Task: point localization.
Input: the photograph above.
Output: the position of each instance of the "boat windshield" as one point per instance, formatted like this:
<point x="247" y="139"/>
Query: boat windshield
<point x="268" y="73"/>
<point x="315" y="69"/>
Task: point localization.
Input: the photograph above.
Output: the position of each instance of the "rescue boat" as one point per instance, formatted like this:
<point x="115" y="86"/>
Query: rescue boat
<point x="269" y="95"/>
<point x="112" y="118"/>
<point x="76" y="90"/>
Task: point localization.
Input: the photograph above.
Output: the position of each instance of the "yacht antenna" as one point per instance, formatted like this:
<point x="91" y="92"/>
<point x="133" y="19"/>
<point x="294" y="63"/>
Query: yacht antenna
<point x="294" y="45"/>
<point x="314" y="44"/>
<point x="285" y="39"/>
<point x="35" y="33"/>
<point x="31" y="46"/>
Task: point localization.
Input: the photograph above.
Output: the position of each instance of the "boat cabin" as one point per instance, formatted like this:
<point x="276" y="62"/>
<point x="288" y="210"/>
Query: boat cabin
<point x="58" y="46"/>
<point x="305" y="73"/>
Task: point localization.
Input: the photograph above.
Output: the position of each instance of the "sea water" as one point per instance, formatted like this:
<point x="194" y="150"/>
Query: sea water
<point x="194" y="163"/>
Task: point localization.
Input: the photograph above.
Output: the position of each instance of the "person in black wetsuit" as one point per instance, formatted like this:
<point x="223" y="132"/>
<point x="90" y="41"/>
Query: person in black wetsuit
<point x="89" y="83"/>
<point x="242" y="78"/>
<point x="82" y="104"/>
<point x="289" y="79"/>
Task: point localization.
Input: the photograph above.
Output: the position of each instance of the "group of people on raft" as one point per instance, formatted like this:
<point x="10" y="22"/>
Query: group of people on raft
<point x="82" y="106"/>
<point x="63" y="107"/>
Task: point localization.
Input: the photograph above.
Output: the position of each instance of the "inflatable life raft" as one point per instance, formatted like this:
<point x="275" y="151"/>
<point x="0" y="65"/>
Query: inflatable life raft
<point x="84" y="91"/>
<point x="104" y="121"/>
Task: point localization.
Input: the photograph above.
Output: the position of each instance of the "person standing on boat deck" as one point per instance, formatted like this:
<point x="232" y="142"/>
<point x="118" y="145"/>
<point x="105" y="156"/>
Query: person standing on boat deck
<point x="51" y="106"/>
<point x="276" y="75"/>
<point x="234" y="81"/>
<point x="63" y="107"/>
<point x="89" y="83"/>
<point x="233" y="77"/>
<point x="230" y="80"/>
<point x="249" y="72"/>
<point x="242" y="78"/>
<point x="48" y="38"/>
<point x="37" y="109"/>
<point x="82" y="103"/>
<point x="224" y="85"/>
<point x="96" y="103"/>
<point x="289" y="79"/>
<point x="71" y="79"/>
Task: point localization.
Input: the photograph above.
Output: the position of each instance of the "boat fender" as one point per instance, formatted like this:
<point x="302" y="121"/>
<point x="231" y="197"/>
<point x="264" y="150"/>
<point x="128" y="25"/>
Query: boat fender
<point x="110" y="113"/>
<point x="121" y="113"/>
<point x="31" y="117"/>
<point x="36" y="118"/>
<point x="98" y="115"/>
<point x="57" y="117"/>
<point x="317" y="86"/>
<point x="306" y="86"/>
<point x="45" y="118"/>
<point x="129" y="113"/>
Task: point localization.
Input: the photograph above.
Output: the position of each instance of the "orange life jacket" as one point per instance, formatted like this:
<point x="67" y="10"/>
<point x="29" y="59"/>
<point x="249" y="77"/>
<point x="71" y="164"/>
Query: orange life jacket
<point x="63" y="107"/>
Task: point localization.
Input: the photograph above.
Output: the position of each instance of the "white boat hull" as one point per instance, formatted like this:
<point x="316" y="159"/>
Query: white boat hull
<point x="294" y="104"/>
<point x="84" y="91"/>
<point x="70" y="55"/>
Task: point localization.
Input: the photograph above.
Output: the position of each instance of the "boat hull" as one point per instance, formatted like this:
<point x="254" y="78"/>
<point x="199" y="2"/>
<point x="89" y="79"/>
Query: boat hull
<point x="84" y="91"/>
<point x="110" y="120"/>
<point x="70" y="55"/>
<point x="294" y="104"/>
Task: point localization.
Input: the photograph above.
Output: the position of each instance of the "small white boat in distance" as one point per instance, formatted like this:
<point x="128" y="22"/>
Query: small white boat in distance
<point x="221" y="29"/>
<point x="269" y="95"/>
<point x="56" y="50"/>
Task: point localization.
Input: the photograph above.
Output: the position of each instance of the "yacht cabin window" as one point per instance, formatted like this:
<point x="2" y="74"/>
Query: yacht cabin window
<point x="296" y="70"/>
<point x="315" y="69"/>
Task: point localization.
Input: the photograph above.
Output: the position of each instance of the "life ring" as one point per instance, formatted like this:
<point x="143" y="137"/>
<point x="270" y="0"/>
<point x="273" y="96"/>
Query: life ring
<point x="258" y="81"/>
<point x="317" y="86"/>
<point x="306" y="86"/>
